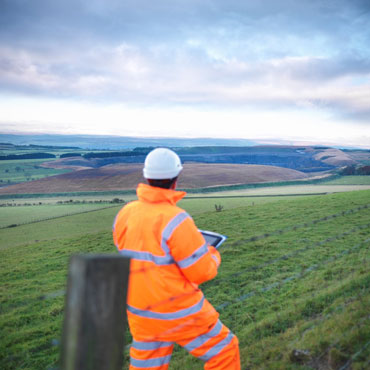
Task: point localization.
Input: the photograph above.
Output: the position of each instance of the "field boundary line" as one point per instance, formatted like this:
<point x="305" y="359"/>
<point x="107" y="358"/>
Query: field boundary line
<point x="259" y="195"/>
<point x="61" y="216"/>
<point x="349" y="362"/>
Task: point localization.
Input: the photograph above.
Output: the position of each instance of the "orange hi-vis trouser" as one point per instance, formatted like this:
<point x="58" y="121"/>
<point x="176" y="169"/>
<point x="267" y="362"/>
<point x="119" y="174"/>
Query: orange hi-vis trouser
<point x="218" y="348"/>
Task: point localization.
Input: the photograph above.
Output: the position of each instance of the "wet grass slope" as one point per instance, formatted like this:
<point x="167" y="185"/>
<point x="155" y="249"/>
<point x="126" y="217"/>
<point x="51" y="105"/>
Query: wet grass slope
<point x="293" y="286"/>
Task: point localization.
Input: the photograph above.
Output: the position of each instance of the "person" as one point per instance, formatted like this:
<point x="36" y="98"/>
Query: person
<point x="169" y="259"/>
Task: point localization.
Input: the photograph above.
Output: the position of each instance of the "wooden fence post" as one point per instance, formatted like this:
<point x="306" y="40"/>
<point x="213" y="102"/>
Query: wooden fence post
<point x="95" y="313"/>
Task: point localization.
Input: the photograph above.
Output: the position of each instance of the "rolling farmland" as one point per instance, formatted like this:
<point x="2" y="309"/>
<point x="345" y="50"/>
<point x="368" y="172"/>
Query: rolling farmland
<point x="294" y="280"/>
<point x="126" y="176"/>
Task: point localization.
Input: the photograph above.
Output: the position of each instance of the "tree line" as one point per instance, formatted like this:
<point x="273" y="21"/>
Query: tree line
<point x="355" y="171"/>
<point x="26" y="156"/>
<point x="132" y="153"/>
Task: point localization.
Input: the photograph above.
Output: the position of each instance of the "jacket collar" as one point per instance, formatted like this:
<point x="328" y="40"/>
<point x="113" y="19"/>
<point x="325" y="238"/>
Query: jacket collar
<point x="153" y="194"/>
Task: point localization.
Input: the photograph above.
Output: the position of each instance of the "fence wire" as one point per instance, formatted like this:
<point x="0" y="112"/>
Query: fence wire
<point x="56" y="217"/>
<point x="299" y="275"/>
<point x="321" y="318"/>
<point x="343" y="337"/>
<point x="291" y="254"/>
<point x="353" y="357"/>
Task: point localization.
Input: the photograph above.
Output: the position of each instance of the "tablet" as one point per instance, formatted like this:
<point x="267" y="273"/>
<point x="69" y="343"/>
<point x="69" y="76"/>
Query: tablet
<point x="212" y="238"/>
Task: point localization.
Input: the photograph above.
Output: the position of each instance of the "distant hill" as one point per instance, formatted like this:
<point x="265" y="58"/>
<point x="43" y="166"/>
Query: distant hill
<point x="213" y="161"/>
<point x="203" y="150"/>
<point x="115" y="142"/>
<point x="297" y="158"/>
<point x="334" y="157"/>
<point x="127" y="176"/>
<point x="304" y="159"/>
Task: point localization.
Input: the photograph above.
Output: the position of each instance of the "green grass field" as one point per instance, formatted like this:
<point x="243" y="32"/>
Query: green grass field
<point x="26" y="214"/>
<point x="287" y="289"/>
<point x="51" y="231"/>
<point x="290" y="190"/>
<point x="15" y="171"/>
<point x="350" y="180"/>
<point x="82" y="224"/>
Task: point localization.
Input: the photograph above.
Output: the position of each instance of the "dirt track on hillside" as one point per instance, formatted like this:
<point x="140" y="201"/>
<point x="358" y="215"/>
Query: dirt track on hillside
<point x="127" y="176"/>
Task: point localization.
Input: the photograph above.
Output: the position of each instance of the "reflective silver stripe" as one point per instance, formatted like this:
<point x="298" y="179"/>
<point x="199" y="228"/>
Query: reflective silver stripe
<point x="167" y="316"/>
<point x="147" y="256"/>
<point x="115" y="221"/>
<point x="153" y="362"/>
<point x="150" y="345"/>
<point x="200" y="252"/>
<point x="170" y="228"/>
<point x="216" y="260"/>
<point x="199" y="341"/>
<point x="217" y="348"/>
<point x="166" y="234"/>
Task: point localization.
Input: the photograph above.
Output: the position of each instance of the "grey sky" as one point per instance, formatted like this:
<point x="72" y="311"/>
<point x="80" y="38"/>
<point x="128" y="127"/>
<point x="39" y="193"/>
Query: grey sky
<point x="307" y="57"/>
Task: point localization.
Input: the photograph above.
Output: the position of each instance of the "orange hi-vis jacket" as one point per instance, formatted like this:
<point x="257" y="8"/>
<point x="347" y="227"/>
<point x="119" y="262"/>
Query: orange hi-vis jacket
<point x="169" y="258"/>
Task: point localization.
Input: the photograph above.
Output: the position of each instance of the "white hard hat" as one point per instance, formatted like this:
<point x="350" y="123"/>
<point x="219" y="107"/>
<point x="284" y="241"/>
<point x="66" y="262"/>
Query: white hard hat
<point x="162" y="163"/>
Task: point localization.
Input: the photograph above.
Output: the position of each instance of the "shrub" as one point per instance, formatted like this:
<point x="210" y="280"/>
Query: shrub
<point x="219" y="207"/>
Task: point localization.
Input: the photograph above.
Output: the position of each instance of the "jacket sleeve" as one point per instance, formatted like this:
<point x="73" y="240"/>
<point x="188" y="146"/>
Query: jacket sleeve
<point x="197" y="260"/>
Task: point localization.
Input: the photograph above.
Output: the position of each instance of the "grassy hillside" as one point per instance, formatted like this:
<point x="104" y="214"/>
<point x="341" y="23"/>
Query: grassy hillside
<point x="21" y="215"/>
<point x="46" y="222"/>
<point x="293" y="284"/>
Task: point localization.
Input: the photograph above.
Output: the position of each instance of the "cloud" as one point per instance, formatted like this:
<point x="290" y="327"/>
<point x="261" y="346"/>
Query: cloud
<point x="167" y="76"/>
<point x="212" y="54"/>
